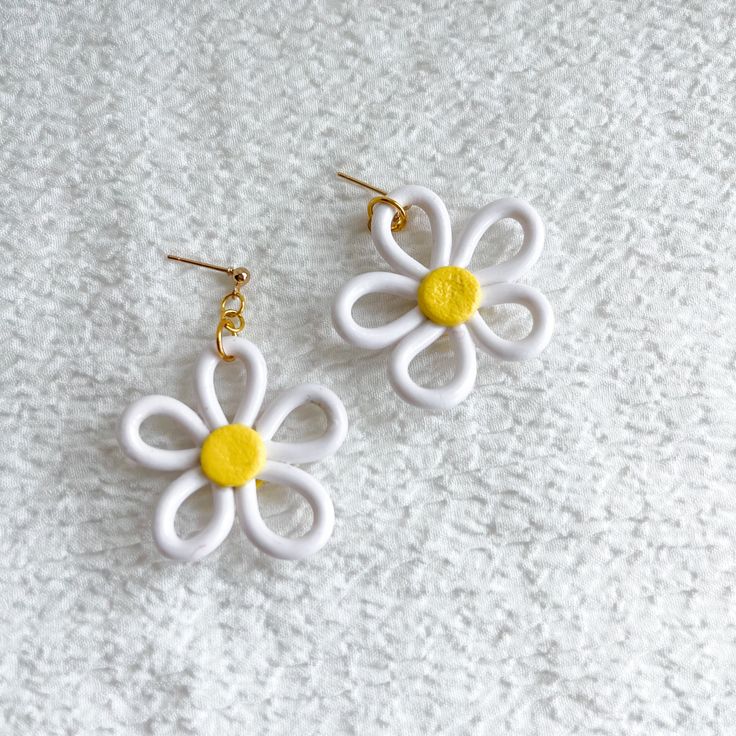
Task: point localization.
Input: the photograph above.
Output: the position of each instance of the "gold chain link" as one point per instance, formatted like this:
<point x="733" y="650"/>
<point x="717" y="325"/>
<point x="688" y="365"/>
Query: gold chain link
<point x="231" y="319"/>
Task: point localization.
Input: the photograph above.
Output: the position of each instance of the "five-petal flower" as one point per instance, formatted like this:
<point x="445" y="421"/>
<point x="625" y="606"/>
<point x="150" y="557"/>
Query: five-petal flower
<point x="232" y="455"/>
<point x="447" y="294"/>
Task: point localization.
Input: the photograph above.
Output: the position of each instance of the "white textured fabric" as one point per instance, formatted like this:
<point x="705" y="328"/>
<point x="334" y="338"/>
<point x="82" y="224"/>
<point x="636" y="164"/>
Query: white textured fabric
<point x="556" y="555"/>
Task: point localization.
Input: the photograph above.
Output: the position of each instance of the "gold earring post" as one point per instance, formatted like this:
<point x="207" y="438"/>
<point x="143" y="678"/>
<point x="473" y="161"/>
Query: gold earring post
<point x="361" y="183"/>
<point x="399" y="220"/>
<point x="192" y="262"/>
<point x="240" y="274"/>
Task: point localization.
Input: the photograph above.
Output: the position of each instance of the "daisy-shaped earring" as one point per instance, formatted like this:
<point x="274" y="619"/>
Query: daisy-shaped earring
<point x="447" y="294"/>
<point x="236" y="456"/>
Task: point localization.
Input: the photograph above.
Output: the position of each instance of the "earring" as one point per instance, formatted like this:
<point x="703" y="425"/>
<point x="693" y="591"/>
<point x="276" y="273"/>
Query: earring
<point x="447" y="294"/>
<point x="232" y="455"/>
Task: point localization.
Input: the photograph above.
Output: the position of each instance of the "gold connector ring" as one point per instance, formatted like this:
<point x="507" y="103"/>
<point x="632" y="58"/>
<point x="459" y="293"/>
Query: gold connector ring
<point x="221" y="325"/>
<point x="399" y="220"/>
<point x="234" y="328"/>
<point x="236" y="296"/>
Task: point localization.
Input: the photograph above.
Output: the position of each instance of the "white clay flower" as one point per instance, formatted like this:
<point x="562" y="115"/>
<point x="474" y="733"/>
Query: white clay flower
<point x="447" y="294"/>
<point x="232" y="455"/>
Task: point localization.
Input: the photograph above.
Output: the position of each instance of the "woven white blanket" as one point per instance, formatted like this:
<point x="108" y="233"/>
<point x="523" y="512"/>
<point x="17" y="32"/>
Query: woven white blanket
<point x="556" y="555"/>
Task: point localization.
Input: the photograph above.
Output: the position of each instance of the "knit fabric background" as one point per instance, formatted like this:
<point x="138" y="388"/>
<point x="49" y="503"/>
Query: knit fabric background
<point x="556" y="555"/>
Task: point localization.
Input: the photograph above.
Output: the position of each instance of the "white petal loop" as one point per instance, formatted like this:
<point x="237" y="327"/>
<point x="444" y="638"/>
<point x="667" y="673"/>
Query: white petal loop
<point x="285" y="548"/>
<point x="543" y="322"/>
<point x="375" y="338"/>
<point x="433" y="398"/>
<point x="203" y="542"/>
<point x="439" y="220"/>
<point x="528" y="254"/>
<point x="255" y="382"/>
<point x="310" y="450"/>
<point x="130" y="440"/>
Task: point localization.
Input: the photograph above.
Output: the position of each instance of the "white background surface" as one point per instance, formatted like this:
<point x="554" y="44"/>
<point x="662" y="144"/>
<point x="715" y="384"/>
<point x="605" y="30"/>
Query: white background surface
<point x="555" y="556"/>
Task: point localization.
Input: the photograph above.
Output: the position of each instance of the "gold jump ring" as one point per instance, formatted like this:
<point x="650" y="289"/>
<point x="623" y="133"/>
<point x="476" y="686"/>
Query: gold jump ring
<point x="233" y="295"/>
<point x="399" y="220"/>
<point x="233" y="328"/>
<point x="221" y="325"/>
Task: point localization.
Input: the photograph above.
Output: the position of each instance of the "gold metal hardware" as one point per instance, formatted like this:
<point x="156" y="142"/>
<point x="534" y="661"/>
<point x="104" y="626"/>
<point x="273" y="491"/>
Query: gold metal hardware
<point x="232" y="306"/>
<point x="399" y="220"/>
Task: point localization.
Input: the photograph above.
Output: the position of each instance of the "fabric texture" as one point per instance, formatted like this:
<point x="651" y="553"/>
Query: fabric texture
<point x="555" y="555"/>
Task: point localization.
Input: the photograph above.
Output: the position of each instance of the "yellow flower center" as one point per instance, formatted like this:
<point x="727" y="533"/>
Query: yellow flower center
<point x="449" y="295"/>
<point x="232" y="455"/>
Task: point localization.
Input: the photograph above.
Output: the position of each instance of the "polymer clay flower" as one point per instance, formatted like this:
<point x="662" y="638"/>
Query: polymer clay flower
<point x="232" y="455"/>
<point x="447" y="295"/>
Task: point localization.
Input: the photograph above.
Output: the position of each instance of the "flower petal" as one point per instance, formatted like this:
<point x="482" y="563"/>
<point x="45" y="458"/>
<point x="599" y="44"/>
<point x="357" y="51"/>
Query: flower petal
<point x="543" y="322"/>
<point x="285" y="548"/>
<point x="439" y="220"/>
<point x="310" y="450"/>
<point x="531" y="246"/>
<point x="448" y="395"/>
<point x="253" y="391"/>
<point x="375" y="338"/>
<point x="134" y="447"/>
<point x="203" y="542"/>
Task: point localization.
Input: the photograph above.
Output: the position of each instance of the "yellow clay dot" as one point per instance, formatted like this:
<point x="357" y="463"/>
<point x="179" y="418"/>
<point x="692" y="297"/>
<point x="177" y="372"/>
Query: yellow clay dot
<point x="232" y="455"/>
<point x="449" y="295"/>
